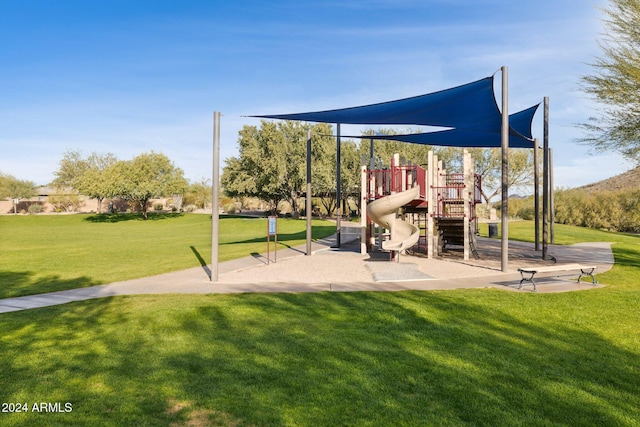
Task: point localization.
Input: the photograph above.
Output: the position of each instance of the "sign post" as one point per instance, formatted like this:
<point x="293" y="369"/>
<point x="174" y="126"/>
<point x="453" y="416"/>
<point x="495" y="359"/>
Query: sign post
<point x="272" y="230"/>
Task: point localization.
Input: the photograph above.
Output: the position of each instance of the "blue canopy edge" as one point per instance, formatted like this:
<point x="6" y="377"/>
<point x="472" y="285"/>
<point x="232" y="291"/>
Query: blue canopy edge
<point x="470" y="109"/>
<point x="519" y="134"/>
<point x="455" y="107"/>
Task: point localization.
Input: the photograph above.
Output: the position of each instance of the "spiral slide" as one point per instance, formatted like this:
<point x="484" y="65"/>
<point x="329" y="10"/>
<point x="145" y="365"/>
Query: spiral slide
<point x="383" y="212"/>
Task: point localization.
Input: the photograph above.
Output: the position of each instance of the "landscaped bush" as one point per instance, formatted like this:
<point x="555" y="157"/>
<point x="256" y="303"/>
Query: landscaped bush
<point x="601" y="210"/>
<point x="608" y="210"/>
<point x="35" y="208"/>
<point x="158" y="206"/>
<point x="66" y="202"/>
<point x="230" y="208"/>
<point x="190" y="208"/>
<point x="520" y="208"/>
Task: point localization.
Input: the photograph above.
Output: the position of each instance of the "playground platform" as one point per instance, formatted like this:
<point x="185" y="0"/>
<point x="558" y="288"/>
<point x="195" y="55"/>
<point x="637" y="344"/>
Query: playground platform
<point x="346" y="270"/>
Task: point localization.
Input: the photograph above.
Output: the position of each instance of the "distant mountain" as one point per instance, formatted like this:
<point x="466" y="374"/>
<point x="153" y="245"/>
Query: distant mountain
<point x="628" y="180"/>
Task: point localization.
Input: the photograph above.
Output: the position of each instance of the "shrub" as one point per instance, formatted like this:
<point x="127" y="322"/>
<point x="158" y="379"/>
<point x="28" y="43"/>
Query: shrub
<point x="190" y="208"/>
<point x="527" y="213"/>
<point x="610" y="210"/>
<point x="66" y="202"/>
<point x="230" y="208"/>
<point x="35" y="208"/>
<point x="158" y="206"/>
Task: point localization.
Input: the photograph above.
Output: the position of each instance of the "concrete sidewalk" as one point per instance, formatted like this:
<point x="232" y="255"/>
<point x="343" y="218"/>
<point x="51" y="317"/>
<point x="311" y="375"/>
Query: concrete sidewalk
<point x="343" y="270"/>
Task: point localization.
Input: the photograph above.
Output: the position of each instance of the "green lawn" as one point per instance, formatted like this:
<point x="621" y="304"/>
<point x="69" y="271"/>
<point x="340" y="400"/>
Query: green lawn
<point x="45" y="253"/>
<point x="478" y="357"/>
<point x="442" y="358"/>
<point x="626" y="249"/>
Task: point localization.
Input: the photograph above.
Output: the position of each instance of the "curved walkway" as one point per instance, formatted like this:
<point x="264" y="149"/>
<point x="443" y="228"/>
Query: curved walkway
<point x="346" y="270"/>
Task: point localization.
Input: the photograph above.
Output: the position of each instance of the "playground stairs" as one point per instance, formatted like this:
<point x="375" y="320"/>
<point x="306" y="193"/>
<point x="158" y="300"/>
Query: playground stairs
<point x="451" y="233"/>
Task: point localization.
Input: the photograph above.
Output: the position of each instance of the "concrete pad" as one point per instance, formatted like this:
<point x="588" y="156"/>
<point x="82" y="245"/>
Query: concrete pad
<point x="8" y="308"/>
<point x="396" y="272"/>
<point x="346" y="270"/>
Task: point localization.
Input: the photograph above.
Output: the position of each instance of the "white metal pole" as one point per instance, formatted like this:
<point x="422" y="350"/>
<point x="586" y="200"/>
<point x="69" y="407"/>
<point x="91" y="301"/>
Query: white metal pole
<point x="308" y="206"/>
<point x="338" y="189"/>
<point x="545" y="179"/>
<point x="505" y="171"/>
<point x="215" y="197"/>
<point x="552" y="216"/>
<point x="363" y="206"/>
<point x="536" y="195"/>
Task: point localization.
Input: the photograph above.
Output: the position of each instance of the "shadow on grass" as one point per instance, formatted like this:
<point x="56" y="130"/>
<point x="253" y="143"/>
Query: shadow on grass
<point x="406" y="358"/>
<point x="626" y="255"/>
<point x="21" y="283"/>
<point x="319" y="231"/>
<point x="201" y="260"/>
<point x="122" y="217"/>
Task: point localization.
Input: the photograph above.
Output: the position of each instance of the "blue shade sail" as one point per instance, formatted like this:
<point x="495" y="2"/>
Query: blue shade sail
<point x="470" y="110"/>
<point x="463" y="106"/>
<point x="519" y="134"/>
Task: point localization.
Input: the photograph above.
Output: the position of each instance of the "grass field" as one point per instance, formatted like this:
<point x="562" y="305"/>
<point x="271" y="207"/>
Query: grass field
<point x="626" y="249"/>
<point x="45" y="253"/>
<point x="446" y="358"/>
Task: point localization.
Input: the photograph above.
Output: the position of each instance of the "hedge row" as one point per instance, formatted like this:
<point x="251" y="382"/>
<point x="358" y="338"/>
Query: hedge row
<point x="609" y="210"/>
<point x="606" y="210"/>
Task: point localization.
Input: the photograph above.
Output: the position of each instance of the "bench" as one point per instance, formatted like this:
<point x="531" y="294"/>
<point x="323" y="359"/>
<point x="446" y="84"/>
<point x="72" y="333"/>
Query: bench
<point x="528" y="273"/>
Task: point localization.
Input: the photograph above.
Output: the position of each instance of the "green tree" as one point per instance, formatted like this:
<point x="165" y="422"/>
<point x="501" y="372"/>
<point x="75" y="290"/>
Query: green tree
<point x="488" y="164"/>
<point x="255" y="172"/>
<point x="147" y="176"/>
<point x="65" y="202"/>
<point x="350" y="164"/>
<point x="615" y="83"/>
<point x="71" y="168"/>
<point x="272" y="162"/>
<point x="86" y="175"/>
<point x="198" y="193"/>
<point x="11" y="187"/>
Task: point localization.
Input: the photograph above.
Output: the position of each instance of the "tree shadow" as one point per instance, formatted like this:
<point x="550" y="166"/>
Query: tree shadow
<point x="318" y="232"/>
<point x="392" y="359"/>
<point x="123" y="217"/>
<point x="22" y="283"/>
<point x="626" y="255"/>
<point x="406" y="358"/>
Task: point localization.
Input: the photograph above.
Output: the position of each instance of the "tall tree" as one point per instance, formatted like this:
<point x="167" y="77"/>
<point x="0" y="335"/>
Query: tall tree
<point x="86" y="175"/>
<point x="272" y="161"/>
<point x="488" y="163"/>
<point x="198" y="193"/>
<point x="11" y="187"/>
<point x="615" y="83"/>
<point x="147" y="176"/>
<point x="323" y="151"/>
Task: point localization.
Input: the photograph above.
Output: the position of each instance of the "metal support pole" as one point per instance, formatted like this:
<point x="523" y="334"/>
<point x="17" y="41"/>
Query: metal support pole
<point x="363" y="206"/>
<point x="338" y="188"/>
<point x="536" y="194"/>
<point x="505" y="171"/>
<point x="308" y="207"/>
<point x="545" y="179"/>
<point x="371" y="152"/>
<point x="552" y="216"/>
<point x="215" y="197"/>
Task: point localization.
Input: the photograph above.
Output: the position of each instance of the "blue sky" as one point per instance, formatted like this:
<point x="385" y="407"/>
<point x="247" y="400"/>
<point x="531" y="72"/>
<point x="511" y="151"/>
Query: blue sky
<point x="130" y="76"/>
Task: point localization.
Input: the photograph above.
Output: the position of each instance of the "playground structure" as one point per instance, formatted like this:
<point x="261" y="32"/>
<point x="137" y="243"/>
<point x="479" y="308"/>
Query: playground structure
<point x="422" y="210"/>
<point x="473" y="118"/>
